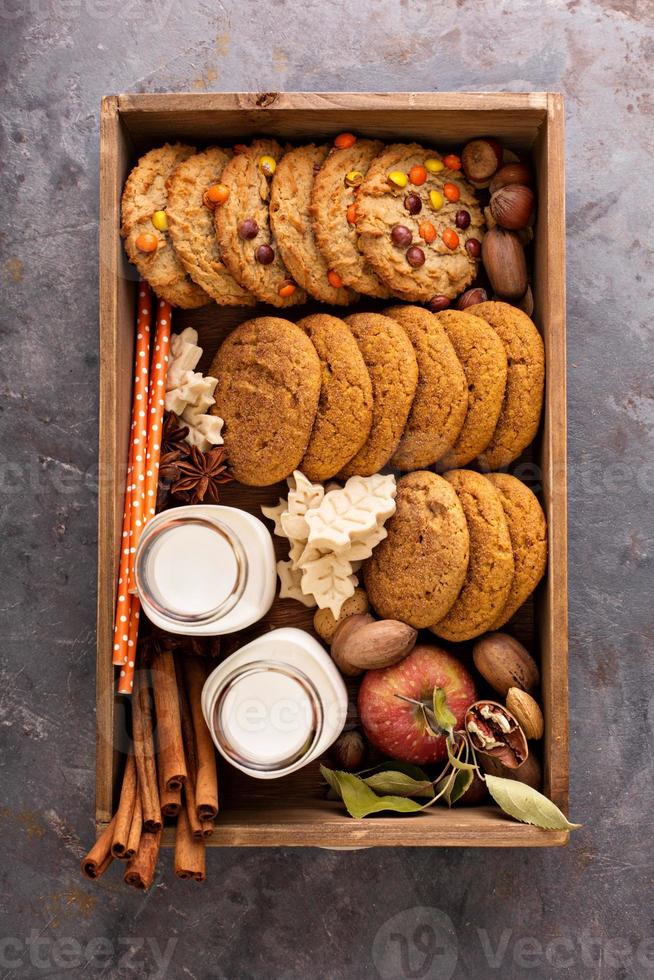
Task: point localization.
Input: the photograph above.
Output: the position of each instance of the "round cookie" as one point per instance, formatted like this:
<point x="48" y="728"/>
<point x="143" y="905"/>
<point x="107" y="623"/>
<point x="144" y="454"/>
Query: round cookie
<point x="344" y="414"/>
<point x="267" y="393"/>
<point x="523" y="398"/>
<point x="191" y="226"/>
<point x="249" y="199"/>
<point x="441" y="401"/>
<point x="528" y="532"/>
<point x="482" y="356"/>
<point x="417" y="572"/>
<point x="145" y="192"/>
<point x="490" y="570"/>
<point x="381" y="205"/>
<point x="290" y="220"/>
<point x="338" y="238"/>
<point x="393" y="370"/>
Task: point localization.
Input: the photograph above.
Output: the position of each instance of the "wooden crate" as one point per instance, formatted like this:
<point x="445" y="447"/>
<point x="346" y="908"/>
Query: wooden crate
<point x="293" y="811"/>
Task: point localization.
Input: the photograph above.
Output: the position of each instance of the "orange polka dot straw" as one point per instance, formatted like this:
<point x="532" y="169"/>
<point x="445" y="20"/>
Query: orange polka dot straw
<point x="154" y="425"/>
<point x="137" y="447"/>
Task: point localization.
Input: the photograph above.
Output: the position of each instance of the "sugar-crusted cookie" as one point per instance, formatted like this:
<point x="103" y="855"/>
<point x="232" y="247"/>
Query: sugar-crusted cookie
<point x="333" y="209"/>
<point x="490" y="570"/>
<point x="441" y="401"/>
<point x="393" y="370"/>
<point x="291" y="222"/>
<point x="417" y="572"/>
<point x="484" y="362"/>
<point x="523" y="398"/>
<point x="344" y="414"/>
<point x="415" y="217"/>
<point x="268" y="387"/>
<point x="528" y="532"/>
<point x="191" y="226"/>
<point x="248" y="246"/>
<point x="146" y="193"/>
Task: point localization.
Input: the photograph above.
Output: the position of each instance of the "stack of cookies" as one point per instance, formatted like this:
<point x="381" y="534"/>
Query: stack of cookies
<point x="280" y="225"/>
<point x="407" y="388"/>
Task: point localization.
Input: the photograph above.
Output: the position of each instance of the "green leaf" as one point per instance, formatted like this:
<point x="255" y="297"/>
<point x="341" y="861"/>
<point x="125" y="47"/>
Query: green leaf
<point x="527" y="805"/>
<point x="389" y="781"/>
<point x="458" y="787"/>
<point x="455" y="760"/>
<point x="360" y="800"/>
<point x="444" y="717"/>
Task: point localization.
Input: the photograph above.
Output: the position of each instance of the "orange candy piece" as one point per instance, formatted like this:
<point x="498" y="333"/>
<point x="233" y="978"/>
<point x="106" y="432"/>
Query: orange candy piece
<point x="418" y="175"/>
<point x="452" y="161"/>
<point x="217" y="193"/>
<point x="450" y="238"/>
<point x="427" y="232"/>
<point x="334" y="279"/>
<point x="146" y="242"/>
<point x="287" y="289"/>
<point x="345" y="140"/>
<point x="352" y="214"/>
<point x="451" y="192"/>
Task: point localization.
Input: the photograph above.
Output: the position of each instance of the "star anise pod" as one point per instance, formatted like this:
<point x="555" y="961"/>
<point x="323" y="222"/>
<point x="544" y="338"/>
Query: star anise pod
<point x="200" y="475"/>
<point x="168" y="473"/>
<point x="173" y="435"/>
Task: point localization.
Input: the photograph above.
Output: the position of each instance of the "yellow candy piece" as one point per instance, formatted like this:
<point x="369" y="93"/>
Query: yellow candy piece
<point x="398" y="178"/>
<point x="267" y="166"/>
<point x="160" y="221"/>
<point x="434" y="166"/>
<point x="436" y="200"/>
<point x="353" y="178"/>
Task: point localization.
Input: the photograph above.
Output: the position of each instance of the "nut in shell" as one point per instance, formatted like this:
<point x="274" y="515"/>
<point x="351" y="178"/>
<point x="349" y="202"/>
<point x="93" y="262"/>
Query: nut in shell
<point x="529" y="773"/>
<point x="349" y="751"/>
<point x="504" y="260"/>
<point x="345" y="629"/>
<point x="326" y="624"/>
<point x="373" y="645"/>
<point x="505" y="663"/>
<point x="494" y="731"/>
<point x="526" y="711"/>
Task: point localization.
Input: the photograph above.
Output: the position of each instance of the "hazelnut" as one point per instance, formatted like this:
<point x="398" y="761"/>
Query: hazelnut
<point x="505" y="663"/>
<point x="504" y="260"/>
<point x="349" y="751"/>
<point x="511" y="173"/>
<point x="481" y="158"/>
<point x="512" y="206"/>
<point x="526" y="711"/>
<point x="471" y="297"/>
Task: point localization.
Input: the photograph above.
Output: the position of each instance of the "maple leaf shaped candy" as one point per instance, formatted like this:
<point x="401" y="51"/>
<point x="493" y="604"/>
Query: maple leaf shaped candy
<point x="274" y="514"/>
<point x="329" y="580"/>
<point x="352" y="513"/>
<point x="289" y="584"/>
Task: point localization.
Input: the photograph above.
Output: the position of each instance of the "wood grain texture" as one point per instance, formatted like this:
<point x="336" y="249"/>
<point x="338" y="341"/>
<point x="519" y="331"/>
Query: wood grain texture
<point x="293" y="811"/>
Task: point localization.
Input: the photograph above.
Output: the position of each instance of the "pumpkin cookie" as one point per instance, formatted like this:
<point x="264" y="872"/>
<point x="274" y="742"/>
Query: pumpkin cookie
<point x="333" y="210"/>
<point x="344" y="414"/>
<point x="145" y="227"/>
<point x="393" y="369"/>
<point x="415" y="217"/>
<point x="523" y="398"/>
<point x="290" y="220"/>
<point x="441" y="402"/>
<point x="490" y="570"/>
<point x="248" y="246"/>
<point x="417" y="572"/>
<point x="482" y="356"/>
<point x="268" y="387"/>
<point x="190" y="222"/>
<point x="528" y="531"/>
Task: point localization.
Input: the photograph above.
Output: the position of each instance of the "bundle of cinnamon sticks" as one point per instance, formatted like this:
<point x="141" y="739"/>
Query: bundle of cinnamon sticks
<point x="170" y="772"/>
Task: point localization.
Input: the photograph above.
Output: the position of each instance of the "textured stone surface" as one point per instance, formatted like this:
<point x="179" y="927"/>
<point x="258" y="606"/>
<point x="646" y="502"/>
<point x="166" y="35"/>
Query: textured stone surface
<point x="285" y="913"/>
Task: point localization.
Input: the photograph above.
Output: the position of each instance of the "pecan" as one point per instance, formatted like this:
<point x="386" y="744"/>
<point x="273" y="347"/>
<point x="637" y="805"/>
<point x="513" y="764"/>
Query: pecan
<point x="494" y="731"/>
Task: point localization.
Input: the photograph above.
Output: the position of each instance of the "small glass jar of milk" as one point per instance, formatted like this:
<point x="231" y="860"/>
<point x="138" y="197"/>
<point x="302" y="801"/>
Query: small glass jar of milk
<point x="205" y="570"/>
<point x="276" y="704"/>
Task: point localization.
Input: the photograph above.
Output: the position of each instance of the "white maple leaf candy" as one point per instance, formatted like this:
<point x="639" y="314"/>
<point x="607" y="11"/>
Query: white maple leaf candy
<point x="330" y="580"/>
<point x="184" y="356"/>
<point x="204" y="431"/>
<point x="360" y="550"/>
<point x="290" y="587"/>
<point x="275" y="514"/>
<point x="303" y="495"/>
<point x="352" y="513"/>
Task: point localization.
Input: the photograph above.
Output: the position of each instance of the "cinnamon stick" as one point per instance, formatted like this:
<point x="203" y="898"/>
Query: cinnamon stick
<point x="206" y="780"/>
<point x="99" y="857"/>
<point x="125" y="811"/>
<point x="190" y="853"/>
<point x="140" y="869"/>
<point x="188" y="736"/>
<point x="207" y="828"/>
<point x="135" y="830"/>
<point x="170" y="760"/>
<point x="142" y="734"/>
<point x="170" y="799"/>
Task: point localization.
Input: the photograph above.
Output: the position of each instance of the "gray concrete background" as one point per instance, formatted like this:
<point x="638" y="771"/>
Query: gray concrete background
<point x="580" y="912"/>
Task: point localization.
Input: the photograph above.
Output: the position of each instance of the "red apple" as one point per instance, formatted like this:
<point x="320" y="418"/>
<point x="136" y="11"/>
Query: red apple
<point x="397" y="727"/>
